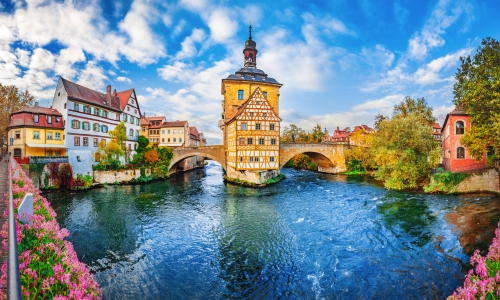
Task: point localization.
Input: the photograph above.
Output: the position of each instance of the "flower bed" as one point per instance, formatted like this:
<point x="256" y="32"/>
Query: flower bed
<point x="483" y="281"/>
<point x="48" y="265"/>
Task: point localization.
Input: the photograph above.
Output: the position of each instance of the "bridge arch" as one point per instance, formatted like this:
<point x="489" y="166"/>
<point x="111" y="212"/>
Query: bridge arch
<point x="177" y="159"/>
<point x="330" y="158"/>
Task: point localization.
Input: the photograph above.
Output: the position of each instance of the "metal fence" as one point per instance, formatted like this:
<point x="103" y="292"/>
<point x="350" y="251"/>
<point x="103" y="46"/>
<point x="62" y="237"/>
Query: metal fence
<point x="47" y="159"/>
<point x="13" y="281"/>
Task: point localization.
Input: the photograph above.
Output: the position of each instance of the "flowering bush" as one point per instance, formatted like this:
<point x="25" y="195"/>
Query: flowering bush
<point x="48" y="265"/>
<point x="483" y="281"/>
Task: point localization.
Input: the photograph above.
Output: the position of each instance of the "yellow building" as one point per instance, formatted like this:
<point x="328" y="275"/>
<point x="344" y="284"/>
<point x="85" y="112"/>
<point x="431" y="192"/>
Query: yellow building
<point x="151" y="126"/>
<point x="175" y="134"/>
<point x="251" y="122"/>
<point x="36" y="132"/>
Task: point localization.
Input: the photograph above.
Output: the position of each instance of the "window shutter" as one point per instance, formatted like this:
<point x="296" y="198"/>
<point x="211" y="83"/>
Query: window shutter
<point x="79" y="124"/>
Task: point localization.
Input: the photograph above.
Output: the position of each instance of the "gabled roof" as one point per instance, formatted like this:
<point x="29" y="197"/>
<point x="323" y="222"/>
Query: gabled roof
<point x="457" y="111"/>
<point x="124" y="96"/>
<point x="38" y="110"/>
<point x="174" y="124"/>
<point x="250" y="105"/>
<point x="364" y="127"/>
<point x="436" y="125"/>
<point x="78" y="92"/>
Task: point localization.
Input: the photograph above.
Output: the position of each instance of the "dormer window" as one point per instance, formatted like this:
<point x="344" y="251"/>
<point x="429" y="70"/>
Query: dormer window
<point x="49" y="119"/>
<point x="35" y="118"/>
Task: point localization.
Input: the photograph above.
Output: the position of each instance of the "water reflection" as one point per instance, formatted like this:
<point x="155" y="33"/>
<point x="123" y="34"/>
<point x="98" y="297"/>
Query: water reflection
<point x="475" y="219"/>
<point x="411" y="214"/>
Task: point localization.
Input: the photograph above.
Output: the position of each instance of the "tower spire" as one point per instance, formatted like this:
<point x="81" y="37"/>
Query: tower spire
<point x="250" y="29"/>
<point x="250" y="50"/>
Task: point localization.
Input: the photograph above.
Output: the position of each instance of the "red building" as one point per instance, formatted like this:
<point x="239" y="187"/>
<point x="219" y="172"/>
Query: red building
<point x="436" y="132"/>
<point x="456" y="158"/>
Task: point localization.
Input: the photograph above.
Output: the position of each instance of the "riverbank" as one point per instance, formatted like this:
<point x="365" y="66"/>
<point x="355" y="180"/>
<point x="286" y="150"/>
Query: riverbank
<point x="48" y="264"/>
<point x="245" y="183"/>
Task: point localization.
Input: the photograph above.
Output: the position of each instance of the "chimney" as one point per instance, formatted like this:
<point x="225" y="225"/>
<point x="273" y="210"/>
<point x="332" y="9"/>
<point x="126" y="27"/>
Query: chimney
<point x="114" y="92"/>
<point x="108" y="95"/>
<point x="36" y="104"/>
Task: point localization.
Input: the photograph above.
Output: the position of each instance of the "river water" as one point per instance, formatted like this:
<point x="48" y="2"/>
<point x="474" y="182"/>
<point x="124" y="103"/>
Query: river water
<point x="311" y="236"/>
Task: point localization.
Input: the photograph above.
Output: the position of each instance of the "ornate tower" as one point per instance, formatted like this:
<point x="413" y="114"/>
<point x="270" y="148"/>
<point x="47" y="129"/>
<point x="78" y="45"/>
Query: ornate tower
<point x="250" y="120"/>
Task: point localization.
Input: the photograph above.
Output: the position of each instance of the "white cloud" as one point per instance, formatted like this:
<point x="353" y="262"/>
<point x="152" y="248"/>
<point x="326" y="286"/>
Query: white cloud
<point x="195" y="5"/>
<point x="222" y="27"/>
<point x="431" y="35"/>
<point x="92" y="76"/>
<point x="23" y="57"/>
<point x="430" y="73"/>
<point x="188" y="45"/>
<point x="378" y="56"/>
<point x="42" y="60"/>
<point x="382" y="105"/>
<point x="124" y="79"/>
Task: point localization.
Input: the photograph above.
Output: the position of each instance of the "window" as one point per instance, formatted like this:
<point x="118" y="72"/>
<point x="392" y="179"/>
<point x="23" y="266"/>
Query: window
<point x="58" y="136"/>
<point x="240" y="94"/>
<point x="261" y="141"/>
<point x="143" y="129"/>
<point x="168" y="131"/>
<point x="251" y="158"/>
<point x="271" y="158"/>
<point x="180" y="131"/>
<point x="58" y="94"/>
<point x="96" y="127"/>
<point x="168" y="140"/>
<point x="271" y="126"/>
<point x="137" y="133"/>
<point x="251" y="114"/>
<point x="124" y="117"/>
<point x="131" y="132"/>
<point x="163" y="131"/>
<point x="174" y="131"/>
<point x="460" y="152"/>
<point x="163" y="140"/>
<point x="75" y="107"/>
<point x="49" y="119"/>
<point x="257" y="102"/>
<point x="175" y="140"/>
<point x="104" y="128"/>
<point x="243" y="126"/>
<point x="86" y="125"/>
<point x="85" y="141"/>
<point x="128" y="108"/>
<point x="129" y="146"/>
<point x="273" y="141"/>
<point x="249" y="141"/>
<point x="35" y="118"/>
<point x="256" y="158"/>
<point x="36" y="134"/>
<point x="18" y="134"/>
<point x="265" y="94"/>
<point x="96" y="142"/>
<point x="241" y="141"/>
<point x="49" y="135"/>
<point x="78" y="158"/>
<point x="77" y="141"/>
<point x="459" y="127"/>
<point x="86" y="109"/>
<point x="264" y="114"/>
<point x="58" y="120"/>
<point x="135" y="111"/>
<point x="241" y="158"/>
<point x="137" y="121"/>
<point x="64" y="105"/>
<point x="257" y="126"/>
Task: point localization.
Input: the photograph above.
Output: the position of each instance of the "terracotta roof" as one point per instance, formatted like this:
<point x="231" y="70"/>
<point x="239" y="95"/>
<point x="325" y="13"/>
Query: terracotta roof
<point x="174" y="123"/>
<point x="78" y="92"/>
<point x="363" y="126"/>
<point x="124" y="96"/>
<point x="193" y="130"/>
<point x="38" y="110"/>
<point x="436" y="125"/>
<point x="26" y="119"/>
<point x="457" y="111"/>
<point x="144" y="121"/>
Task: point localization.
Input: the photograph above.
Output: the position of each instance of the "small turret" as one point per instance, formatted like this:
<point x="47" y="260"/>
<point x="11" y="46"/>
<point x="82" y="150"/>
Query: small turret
<point x="250" y="51"/>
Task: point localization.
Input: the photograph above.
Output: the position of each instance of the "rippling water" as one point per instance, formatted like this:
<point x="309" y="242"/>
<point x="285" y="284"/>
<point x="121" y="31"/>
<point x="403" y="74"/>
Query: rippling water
<point x="312" y="236"/>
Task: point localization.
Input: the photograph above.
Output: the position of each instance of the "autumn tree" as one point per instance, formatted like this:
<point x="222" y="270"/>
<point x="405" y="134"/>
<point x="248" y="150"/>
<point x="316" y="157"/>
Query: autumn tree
<point x="298" y="133"/>
<point x="317" y="134"/>
<point x="358" y="153"/>
<point x="11" y="99"/>
<point x="477" y="92"/>
<point x="403" y="149"/>
<point x="151" y="156"/>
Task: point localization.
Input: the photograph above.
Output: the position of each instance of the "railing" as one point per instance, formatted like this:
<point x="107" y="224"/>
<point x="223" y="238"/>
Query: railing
<point x="13" y="280"/>
<point x="47" y="159"/>
<point x="132" y="138"/>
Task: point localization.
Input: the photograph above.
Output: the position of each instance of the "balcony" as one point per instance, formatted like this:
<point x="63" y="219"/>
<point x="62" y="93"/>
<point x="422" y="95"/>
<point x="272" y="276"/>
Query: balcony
<point x="132" y="138"/>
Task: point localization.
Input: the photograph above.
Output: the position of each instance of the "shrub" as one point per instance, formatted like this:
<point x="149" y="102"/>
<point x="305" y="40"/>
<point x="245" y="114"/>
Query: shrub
<point x="82" y="182"/>
<point x="99" y="167"/>
<point x="444" y="182"/>
<point x="115" y="164"/>
<point x="66" y="176"/>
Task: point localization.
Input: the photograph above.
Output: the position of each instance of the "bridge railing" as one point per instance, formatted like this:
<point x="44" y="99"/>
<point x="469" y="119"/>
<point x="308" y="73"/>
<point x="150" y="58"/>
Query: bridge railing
<point x="13" y="280"/>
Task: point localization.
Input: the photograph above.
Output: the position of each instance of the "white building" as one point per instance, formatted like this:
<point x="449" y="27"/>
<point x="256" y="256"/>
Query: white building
<point x="88" y="117"/>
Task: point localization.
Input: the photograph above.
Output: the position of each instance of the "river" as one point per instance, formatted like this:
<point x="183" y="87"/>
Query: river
<point x="311" y="236"/>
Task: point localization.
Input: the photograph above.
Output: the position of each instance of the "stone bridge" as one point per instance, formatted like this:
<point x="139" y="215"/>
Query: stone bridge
<point x="329" y="157"/>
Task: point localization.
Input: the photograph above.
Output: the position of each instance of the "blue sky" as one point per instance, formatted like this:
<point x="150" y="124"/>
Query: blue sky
<point x="340" y="62"/>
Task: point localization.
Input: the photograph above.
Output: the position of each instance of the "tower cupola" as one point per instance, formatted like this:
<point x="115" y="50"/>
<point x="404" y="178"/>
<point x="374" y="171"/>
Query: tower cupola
<point x="250" y="51"/>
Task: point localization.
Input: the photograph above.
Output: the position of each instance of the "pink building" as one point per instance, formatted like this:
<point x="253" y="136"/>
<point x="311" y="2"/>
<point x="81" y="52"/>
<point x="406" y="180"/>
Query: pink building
<point x="456" y="158"/>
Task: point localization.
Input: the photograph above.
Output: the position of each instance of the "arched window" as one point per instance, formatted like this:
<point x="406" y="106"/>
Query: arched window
<point x="460" y="152"/>
<point x="459" y="127"/>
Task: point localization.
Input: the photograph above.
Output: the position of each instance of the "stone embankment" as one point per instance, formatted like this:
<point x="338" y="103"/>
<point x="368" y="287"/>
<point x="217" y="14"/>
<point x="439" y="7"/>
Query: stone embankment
<point x="486" y="180"/>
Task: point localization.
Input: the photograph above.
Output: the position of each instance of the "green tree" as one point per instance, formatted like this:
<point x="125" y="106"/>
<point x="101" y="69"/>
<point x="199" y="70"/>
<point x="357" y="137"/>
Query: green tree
<point x="118" y="134"/>
<point x="317" y="134"/>
<point x="403" y="148"/>
<point x="11" y="99"/>
<point x="477" y="92"/>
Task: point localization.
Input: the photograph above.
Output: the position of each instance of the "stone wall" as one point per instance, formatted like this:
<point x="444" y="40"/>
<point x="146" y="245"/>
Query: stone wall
<point x="110" y="177"/>
<point x="257" y="177"/>
<point x="481" y="180"/>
